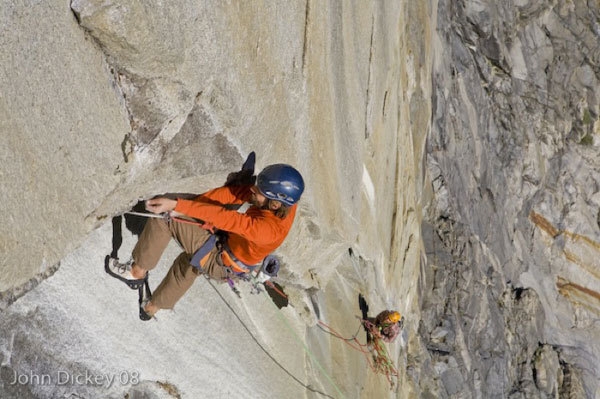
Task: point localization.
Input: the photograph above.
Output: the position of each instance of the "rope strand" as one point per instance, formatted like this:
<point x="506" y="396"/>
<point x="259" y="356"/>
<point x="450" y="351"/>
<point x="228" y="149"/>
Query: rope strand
<point x="306" y="386"/>
<point x="381" y="362"/>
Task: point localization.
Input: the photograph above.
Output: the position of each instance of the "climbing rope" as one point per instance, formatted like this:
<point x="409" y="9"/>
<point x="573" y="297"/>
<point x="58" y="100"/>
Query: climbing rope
<point x="379" y="360"/>
<point x="351" y="342"/>
<point x="261" y="346"/>
<point x="253" y="280"/>
<point x="255" y="283"/>
<point x="375" y="351"/>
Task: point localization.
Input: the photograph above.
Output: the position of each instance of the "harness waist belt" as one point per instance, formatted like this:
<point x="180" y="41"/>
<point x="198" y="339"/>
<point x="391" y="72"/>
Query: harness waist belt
<point x="237" y="265"/>
<point x="200" y="257"/>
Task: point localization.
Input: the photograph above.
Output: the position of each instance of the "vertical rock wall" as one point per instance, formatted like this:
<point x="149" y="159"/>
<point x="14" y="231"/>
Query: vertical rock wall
<point x="512" y="236"/>
<point x="339" y="89"/>
<point x="107" y="102"/>
<point x="62" y="126"/>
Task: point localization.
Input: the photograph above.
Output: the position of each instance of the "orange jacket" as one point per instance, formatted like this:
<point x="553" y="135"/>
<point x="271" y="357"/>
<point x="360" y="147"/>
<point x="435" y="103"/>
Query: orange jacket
<point x="252" y="235"/>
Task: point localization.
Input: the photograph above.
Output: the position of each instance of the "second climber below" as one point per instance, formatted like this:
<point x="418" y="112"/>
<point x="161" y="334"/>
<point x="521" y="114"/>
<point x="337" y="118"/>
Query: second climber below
<point x="267" y="213"/>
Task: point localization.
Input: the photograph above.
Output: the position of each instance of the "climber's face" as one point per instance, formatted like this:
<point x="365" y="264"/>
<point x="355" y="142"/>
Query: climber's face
<point x="257" y="198"/>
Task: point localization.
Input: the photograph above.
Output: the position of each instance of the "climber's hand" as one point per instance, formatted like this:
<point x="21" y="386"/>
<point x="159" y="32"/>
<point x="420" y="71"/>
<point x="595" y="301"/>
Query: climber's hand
<point x="160" y="205"/>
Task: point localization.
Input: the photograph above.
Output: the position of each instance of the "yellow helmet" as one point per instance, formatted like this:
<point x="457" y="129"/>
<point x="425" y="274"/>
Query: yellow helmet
<point x="393" y="317"/>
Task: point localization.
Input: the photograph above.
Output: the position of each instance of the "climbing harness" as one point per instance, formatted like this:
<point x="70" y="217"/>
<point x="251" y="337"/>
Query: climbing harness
<point x="239" y="270"/>
<point x="269" y="267"/>
<point x="231" y="261"/>
<point x="243" y="177"/>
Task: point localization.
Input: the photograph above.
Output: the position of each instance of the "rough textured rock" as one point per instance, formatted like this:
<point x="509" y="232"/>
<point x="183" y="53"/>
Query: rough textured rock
<point x="512" y="235"/>
<point x="59" y="114"/>
<point x="197" y="87"/>
<point x="488" y="244"/>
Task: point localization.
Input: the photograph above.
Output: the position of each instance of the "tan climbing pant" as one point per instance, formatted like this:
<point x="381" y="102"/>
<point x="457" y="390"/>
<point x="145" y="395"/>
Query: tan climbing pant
<point x="152" y="242"/>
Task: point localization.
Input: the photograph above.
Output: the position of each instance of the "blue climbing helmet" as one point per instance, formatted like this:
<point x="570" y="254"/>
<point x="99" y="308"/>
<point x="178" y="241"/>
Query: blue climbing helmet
<point x="281" y="182"/>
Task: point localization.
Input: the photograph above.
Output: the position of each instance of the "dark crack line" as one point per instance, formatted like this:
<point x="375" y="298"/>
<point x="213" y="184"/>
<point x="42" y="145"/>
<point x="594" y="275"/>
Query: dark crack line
<point x="305" y="44"/>
<point x="367" y="134"/>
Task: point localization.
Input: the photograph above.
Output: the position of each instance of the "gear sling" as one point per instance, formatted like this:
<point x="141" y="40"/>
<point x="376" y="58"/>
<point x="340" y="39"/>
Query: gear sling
<point x="219" y="239"/>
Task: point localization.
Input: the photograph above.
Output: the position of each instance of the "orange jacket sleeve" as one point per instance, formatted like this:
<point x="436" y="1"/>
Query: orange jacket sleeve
<point x="253" y="235"/>
<point x="225" y="195"/>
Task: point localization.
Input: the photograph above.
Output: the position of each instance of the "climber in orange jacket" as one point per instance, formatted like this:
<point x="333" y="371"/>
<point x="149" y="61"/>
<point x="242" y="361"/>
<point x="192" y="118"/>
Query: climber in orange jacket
<point x="256" y="219"/>
<point x="252" y="235"/>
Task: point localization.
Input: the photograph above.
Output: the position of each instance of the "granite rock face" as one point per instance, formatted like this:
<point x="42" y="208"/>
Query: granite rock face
<point x="57" y="109"/>
<point x="450" y="150"/>
<point x="512" y="234"/>
<point x="193" y="89"/>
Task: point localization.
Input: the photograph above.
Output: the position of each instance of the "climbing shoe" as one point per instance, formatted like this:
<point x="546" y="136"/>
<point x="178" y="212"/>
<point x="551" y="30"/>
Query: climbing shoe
<point x="144" y="316"/>
<point x="122" y="271"/>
